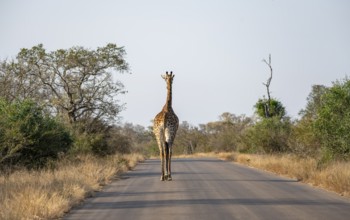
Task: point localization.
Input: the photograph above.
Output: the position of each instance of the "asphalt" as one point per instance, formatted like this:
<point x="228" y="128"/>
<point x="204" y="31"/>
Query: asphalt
<point x="208" y="188"/>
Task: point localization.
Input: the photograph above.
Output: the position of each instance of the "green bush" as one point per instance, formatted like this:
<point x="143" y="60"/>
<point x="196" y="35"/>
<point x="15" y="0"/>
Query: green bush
<point x="100" y="144"/>
<point x="303" y="141"/>
<point x="119" y="143"/>
<point x="28" y="137"/>
<point x="266" y="109"/>
<point x="269" y="135"/>
<point x="332" y="125"/>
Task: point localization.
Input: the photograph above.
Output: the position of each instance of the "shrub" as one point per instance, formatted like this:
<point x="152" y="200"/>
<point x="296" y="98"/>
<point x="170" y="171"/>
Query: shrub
<point x="269" y="135"/>
<point x="28" y="137"/>
<point x="267" y="109"/>
<point x="101" y="143"/>
<point x="303" y="140"/>
<point x="332" y="125"/>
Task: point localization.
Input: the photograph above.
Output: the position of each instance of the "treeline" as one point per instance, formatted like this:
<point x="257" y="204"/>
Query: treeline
<point x="60" y="103"/>
<point x="63" y="103"/>
<point x="321" y="132"/>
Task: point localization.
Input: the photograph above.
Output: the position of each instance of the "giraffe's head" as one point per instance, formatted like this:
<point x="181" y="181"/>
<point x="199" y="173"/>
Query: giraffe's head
<point x="168" y="77"/>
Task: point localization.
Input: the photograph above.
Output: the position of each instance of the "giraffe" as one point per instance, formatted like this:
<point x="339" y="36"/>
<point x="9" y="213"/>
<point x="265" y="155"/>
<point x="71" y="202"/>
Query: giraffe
<point x="165" y="126"/>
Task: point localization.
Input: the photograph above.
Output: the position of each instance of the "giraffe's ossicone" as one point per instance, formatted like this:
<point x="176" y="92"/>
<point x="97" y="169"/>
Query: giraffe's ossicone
<point x="165" y="126"/>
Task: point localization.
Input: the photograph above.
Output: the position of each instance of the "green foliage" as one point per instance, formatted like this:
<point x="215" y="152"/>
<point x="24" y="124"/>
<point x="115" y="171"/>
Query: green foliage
<point x="303" y="140"/>
<point x="223" y="135"/>
<point x="332" y="125"/>
<point x="187" y="139"/>
<point x="104" y="143"/>
<point x="227" y="133"/>
<point x="118" y="142"/>
<point x="314" y="102"/>
<point x="28" y="137"/>
<point x="267" y="109"/>
<point x="126" y="138"/>
<point x="269" y="135"/>
<point x="85" y="143"/>
<point x="134" y="137"/>
<point x="75" y="84"/>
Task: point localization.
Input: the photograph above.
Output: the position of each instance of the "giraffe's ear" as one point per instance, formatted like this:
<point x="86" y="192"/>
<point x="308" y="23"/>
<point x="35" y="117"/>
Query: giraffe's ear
<point x="163" y="76"/>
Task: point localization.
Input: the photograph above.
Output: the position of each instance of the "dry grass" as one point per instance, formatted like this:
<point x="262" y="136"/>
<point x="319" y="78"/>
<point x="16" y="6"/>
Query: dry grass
<point x="334" y="177"/>
<point x="49" y="194"/>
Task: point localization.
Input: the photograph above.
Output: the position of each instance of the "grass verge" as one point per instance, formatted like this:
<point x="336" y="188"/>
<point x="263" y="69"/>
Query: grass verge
<point x="48" y="194"/>
<point x="334" y="177"/>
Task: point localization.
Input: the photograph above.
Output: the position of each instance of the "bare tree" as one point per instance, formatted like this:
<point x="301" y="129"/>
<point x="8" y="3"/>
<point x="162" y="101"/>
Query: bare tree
<point x="267" y="84"/>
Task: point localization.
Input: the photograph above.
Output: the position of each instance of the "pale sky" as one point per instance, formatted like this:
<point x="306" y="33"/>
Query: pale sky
<point x="214" y="47"/>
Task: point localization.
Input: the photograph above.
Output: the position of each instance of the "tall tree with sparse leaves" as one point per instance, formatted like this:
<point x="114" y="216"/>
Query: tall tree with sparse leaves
<point x="75" y="83"/>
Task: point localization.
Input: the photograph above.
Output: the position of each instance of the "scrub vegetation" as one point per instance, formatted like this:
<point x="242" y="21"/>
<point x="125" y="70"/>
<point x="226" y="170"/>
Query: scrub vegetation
<point x="50" y="193"/>
<point x="334" y="177"/>
<point x="60" y="140"/>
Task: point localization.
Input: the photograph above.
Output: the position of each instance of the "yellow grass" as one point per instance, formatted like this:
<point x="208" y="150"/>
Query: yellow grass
<point x="49" y="194"/>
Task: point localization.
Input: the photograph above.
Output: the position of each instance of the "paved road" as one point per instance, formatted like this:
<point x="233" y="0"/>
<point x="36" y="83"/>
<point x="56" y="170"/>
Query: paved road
<point x="210" y="189"/>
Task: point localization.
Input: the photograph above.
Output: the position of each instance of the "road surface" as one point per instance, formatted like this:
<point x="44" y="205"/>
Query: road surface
<point x="208" y="188"/>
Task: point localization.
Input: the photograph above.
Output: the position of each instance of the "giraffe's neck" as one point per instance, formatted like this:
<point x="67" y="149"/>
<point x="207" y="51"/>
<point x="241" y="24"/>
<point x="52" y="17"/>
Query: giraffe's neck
<point x="167" y="106"/>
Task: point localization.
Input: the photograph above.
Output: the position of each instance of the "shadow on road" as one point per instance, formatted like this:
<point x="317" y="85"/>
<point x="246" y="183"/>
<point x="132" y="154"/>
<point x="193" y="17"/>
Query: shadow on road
<point x="212" y="202"/>
<point x="113" y="194"/>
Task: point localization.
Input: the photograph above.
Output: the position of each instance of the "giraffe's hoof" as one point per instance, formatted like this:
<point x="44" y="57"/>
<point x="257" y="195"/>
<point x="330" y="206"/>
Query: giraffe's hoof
<point x="169" y="178"/>
<point x="162" y="178"/>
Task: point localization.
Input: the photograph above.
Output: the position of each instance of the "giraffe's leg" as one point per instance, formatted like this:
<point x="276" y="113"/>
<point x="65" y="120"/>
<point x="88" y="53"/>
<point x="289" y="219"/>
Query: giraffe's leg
<point x="162" y="178"/>
<point x="169" y="165"/>
<point x="166" y="160"/>
<point x="161" y="152"/>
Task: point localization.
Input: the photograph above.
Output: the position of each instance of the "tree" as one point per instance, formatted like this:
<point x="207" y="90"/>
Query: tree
<point x="314" y="102"/>
<point x="332" y="124"/>
<point x="272" y="132"/>
<point x="227" y="133"/>
<point x="186" y="138"/>
<point x="16" y="84"/>
<point x="75" y="83"/>
<point x="270" y="107"/>
<point x="304" y="141"/>
<point x="267" y="103"/>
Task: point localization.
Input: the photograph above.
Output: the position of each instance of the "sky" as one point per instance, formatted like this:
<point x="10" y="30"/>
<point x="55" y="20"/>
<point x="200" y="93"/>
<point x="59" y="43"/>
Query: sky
<point x="214" y="48"/>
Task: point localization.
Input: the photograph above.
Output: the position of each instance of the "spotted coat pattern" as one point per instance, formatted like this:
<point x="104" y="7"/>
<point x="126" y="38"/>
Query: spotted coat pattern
<point x="165" y="126"/>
